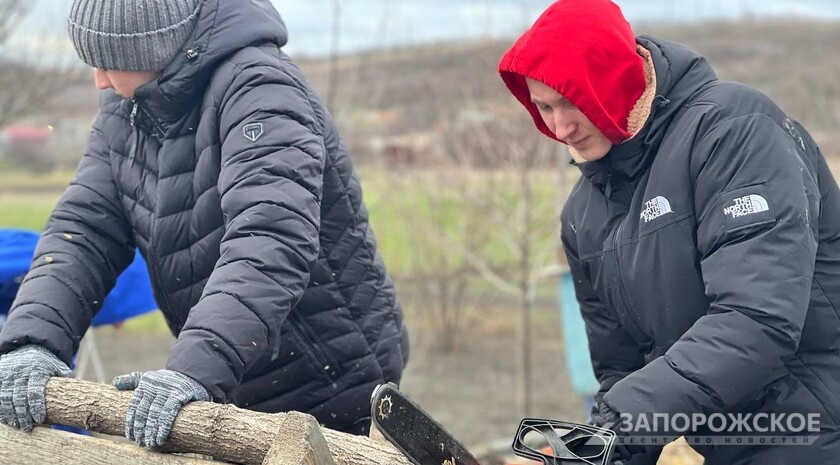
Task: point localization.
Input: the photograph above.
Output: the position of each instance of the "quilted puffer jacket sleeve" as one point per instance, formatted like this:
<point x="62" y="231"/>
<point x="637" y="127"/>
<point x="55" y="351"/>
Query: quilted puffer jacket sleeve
<point x="614" y="353"/>
<point x="757" y="204"/>
<point x="270" y="185"/>
<point x="87" y="243"/>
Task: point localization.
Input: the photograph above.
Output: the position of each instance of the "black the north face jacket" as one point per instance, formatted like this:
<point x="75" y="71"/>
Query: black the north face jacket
<point x="706" y="258"/>
<point x="229" y="175"/>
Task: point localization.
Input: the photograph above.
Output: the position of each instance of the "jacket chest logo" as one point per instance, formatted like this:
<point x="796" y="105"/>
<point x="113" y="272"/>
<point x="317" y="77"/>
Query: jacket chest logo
<point x="252" y="131"/>
<point x="746" y="205"/>
<point x="654" y="208"/>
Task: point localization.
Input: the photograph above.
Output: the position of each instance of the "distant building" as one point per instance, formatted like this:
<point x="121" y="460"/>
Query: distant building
<point x="26" y="134"/>
<point x="407" y="150"/>
<point x="26" y="146"/>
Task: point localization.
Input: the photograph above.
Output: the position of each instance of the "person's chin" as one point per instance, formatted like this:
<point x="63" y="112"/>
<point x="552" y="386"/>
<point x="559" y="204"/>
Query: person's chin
<point x="591" y="152"/>
<point x="593" y="156"/>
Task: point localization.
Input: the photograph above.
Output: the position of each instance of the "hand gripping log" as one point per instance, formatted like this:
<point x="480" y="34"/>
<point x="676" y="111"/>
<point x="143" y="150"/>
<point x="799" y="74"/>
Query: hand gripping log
<point x="224" y="432"/>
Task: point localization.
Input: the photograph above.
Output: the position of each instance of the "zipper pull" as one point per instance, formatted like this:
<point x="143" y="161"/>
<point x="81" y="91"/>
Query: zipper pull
<point x="132" y="118"/>
<point x="275" y="348"/>
<point x="661" y="101"/>
<point x="134" y="140"/>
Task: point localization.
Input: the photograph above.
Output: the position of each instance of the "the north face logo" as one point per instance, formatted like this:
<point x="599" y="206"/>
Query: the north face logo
<point x="747" y="205"/>
<point x="656" y="207"/>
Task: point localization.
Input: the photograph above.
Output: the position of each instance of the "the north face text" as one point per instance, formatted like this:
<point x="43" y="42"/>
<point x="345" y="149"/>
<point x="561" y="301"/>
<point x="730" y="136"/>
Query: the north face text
<point x="746" y="205"/>
<point x="655" y="207"/>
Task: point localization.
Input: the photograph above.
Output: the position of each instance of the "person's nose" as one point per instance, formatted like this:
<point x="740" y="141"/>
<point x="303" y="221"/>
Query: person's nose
<point x="101" y="79"/>
<point x="564" y="124"/>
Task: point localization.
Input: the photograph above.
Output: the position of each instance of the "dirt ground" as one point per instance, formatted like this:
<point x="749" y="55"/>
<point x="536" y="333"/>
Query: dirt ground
<point x="472" y="391"/>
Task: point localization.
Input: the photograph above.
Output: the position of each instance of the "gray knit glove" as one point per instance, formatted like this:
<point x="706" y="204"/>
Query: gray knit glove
<point x="158" y="397"/>
<point x="24" y="373"/>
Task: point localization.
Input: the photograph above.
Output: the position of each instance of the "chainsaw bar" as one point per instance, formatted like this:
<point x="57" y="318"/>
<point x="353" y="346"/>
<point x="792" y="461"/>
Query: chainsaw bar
<point x="413" y="431"/>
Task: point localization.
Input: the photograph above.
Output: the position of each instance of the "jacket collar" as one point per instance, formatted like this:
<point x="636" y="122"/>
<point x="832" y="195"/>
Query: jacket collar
<point x="222" y="28"/>
<point x="679" y="73"/>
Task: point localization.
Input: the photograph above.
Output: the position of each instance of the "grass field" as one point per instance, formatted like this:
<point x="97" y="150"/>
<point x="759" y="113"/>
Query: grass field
<point x="26" y="211"/>
<point x="429" y="223"/>
<point x="416" y="217"/>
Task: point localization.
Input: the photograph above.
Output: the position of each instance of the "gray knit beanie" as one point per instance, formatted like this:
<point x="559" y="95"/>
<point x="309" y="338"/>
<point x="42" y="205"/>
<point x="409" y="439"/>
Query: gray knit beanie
<point x="130" y="35"/>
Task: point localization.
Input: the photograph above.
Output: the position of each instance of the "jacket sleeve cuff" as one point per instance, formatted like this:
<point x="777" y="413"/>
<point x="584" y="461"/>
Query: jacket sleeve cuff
<point x="50" y="322"/>
<point x="654" y="391"/>
<point x="201" y="359"/>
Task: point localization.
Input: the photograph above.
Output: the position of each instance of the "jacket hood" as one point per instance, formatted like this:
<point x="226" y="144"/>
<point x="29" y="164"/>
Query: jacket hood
<point x="222" y="28"/>
<point x="586" y="51"/>
<point x="680" y="73"/>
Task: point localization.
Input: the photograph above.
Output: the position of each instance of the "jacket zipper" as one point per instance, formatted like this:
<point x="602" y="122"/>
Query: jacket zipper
<point x="134" y="140"/>
<point x="158" y="129"/>
<point x="326" y="362"/>
<point x="132" y="119"/>
<point x="625" y="314"/>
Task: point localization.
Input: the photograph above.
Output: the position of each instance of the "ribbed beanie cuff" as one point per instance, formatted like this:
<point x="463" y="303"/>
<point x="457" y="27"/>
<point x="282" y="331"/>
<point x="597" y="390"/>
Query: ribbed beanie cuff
<point x="131" y="35"/>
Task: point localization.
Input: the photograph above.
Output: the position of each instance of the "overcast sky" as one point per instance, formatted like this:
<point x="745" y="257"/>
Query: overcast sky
<point x="368" y="24"/>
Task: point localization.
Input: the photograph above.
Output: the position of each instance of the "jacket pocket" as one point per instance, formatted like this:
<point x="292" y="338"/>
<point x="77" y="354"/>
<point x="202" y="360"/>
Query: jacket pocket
<point x="323" y="360"/>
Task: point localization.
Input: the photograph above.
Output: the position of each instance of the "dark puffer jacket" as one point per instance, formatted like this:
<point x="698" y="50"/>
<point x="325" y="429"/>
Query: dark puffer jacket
<point x="229" y="175"/>
<point x="706" y="255"/>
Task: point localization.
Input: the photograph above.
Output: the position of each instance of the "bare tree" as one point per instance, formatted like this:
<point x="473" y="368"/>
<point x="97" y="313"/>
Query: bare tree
<point x="12" y="75"/>
<point x="335" y="52"/>
<point x="24" y="88"/>
<point x="28" y="80"/>
<point x="523" y="218"/>
<point x="11" y="12"/>
<point x="436" y="220"/>
<point x="32" y="73"/>
<point x="488" y="208"/>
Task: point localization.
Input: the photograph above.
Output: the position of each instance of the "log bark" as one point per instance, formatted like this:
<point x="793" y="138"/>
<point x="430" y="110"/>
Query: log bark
<point x="44" y="445"/>
<point x="224" y="432"/>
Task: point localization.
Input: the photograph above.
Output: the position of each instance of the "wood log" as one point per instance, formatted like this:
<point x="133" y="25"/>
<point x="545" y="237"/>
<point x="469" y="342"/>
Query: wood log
<point x="224" y="432"/>
<point x="44" y="445"/>
<point x="299" y="442"/>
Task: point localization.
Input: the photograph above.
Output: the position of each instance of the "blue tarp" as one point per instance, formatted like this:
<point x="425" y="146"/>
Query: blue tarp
<point x="575" y="341"/>
<point x="131" y="296"/>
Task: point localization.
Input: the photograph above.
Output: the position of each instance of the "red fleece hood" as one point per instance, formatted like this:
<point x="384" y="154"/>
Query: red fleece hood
<point x="586" y="51"/>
